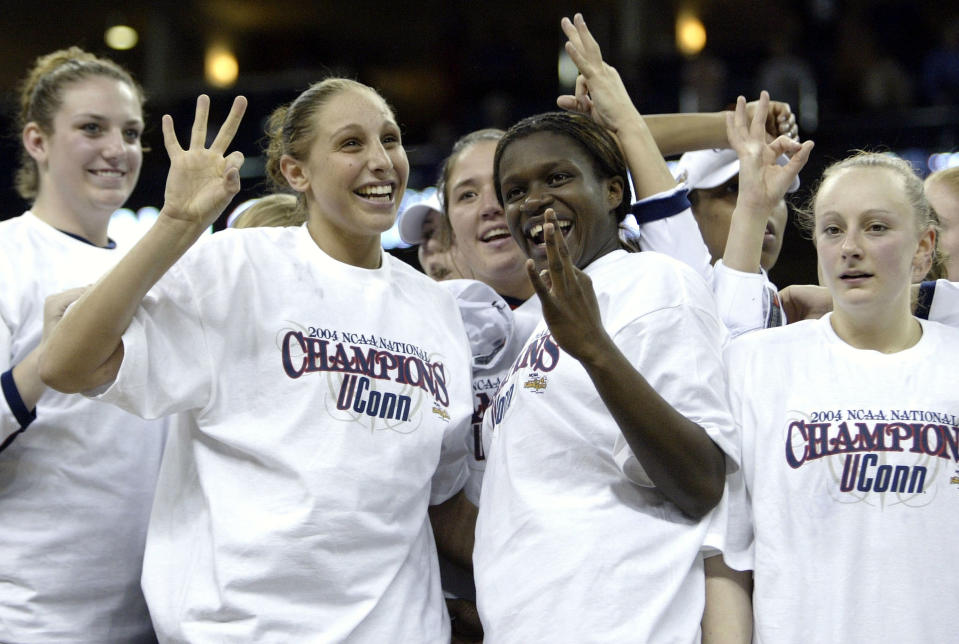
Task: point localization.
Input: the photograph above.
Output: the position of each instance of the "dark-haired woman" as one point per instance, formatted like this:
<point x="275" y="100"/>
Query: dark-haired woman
<point x="603" y="457"/>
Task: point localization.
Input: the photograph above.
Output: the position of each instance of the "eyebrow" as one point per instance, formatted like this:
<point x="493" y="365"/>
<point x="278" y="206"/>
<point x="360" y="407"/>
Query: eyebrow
<point x="100" y="117"/>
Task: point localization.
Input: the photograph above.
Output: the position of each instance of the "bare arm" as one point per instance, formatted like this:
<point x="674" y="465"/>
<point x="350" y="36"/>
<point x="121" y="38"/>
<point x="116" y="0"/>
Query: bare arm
<point x="85" y="350"/>
<point x="762" y="182"/>
<point x="686" y="466"/>
<point x="454" y="526"/>
<point x="728" y="617"/>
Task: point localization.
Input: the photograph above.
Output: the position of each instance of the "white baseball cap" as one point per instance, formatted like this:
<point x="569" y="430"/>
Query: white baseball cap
<point x="411" y="219"/>
<point x="705" y="169"/>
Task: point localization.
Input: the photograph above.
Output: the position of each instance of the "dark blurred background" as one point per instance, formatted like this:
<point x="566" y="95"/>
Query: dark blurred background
<point x="878" y="74"/>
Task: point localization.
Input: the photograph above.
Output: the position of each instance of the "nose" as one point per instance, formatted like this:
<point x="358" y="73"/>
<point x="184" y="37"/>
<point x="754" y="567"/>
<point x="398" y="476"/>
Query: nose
<point x="379" y="157"/>
<point x="489" y="204"/>
<point x="851" y="246"/>
<point x="536" y="200"/>
<point x="113" y="144"/>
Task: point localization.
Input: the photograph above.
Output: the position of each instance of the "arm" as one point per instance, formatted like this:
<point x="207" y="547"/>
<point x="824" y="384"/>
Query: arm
<point x="679" y="133"/>
<point x="728" y="616"/>
<point x="678" y="456"/>
<point x="85" y="350"/>
<point x="762" y="182"/>
<point x="454" y="525"/>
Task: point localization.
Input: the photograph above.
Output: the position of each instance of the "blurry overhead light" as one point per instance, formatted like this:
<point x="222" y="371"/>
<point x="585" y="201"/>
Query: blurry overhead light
<point x="221" y="68"/>
<point x="690" y="34"/>
<point x="121" y="37"/>
<point x="567" y="70"/>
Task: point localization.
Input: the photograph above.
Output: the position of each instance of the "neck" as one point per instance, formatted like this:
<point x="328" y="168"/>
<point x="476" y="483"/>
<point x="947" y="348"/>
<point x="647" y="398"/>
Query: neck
<point x="91" y="226"/>
<point x="363" y="251"/>
<point x="886" y="333"/>
<point x="521" y="289"/>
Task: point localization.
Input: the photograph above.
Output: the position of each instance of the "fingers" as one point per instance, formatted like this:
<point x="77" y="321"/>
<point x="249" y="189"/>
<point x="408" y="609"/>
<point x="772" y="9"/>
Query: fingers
<point x="170" y="141"/>
<point x="757" y="128"/>
<point x="225" y="136"/>
<point x="581" y="46"/>
<point x="198" y="133"/>
<point x="541" y="288"/>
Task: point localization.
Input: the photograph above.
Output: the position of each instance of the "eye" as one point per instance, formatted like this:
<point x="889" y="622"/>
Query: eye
<point x="131" y="135"/>
<point x="466" y="195"/>
<point x="91" y="128"/>
<point x="877" y="227"/>
<point x="351" y="143"/>
<point x="831" y="231"/>
<point x="731" y="188"/>
<point x="512" y="194"/>
<point x="558" y="178"/>
<point x="391" y="139"/>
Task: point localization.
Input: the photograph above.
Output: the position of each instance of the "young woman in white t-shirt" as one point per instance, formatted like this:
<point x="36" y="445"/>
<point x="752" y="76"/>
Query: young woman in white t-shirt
<point x="76" y="477"/>
<point x="326" y="382"/>
<point x="849" y="439"/>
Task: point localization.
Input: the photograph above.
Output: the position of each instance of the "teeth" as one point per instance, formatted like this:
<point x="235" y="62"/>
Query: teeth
<point x="536" y="230"/>
<point x="108" y="173"/>
<point x="375" y="191"/>
<point x="495" y="232"/>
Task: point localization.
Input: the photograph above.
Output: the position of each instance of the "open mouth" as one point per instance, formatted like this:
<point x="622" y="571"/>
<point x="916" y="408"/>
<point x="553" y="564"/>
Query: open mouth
<point x="495" y="234"/>
<point x="381" y="193"/>
<point x="110" y="174"/>
<point x="537" y="235"/>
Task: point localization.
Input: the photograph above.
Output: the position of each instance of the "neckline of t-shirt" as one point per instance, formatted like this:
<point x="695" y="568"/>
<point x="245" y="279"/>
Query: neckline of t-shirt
<point x="322" y="258"/>
<point x="919" y="348"/>
<point x="111" y="244"/>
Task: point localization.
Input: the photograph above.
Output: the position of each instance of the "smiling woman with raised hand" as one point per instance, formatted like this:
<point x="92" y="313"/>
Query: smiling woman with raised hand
<point x="602" y="459"/>
<point x="842" y="476"/>
<point x="76" y="477"/>
<point x="327" y="386"/>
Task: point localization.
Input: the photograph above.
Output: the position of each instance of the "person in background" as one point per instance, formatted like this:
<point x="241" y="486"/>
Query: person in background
<point x="77" y="477"/>
<point x="278" y="209"/>
<point x="942" y="190"/>
<point x="425" y="224"/>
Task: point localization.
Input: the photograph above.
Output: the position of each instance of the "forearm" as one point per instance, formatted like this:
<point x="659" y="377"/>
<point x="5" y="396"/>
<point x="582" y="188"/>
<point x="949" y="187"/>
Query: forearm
<point x="649" y="171"/>
<point x="728" y="616"/>
<point x="676" y="453"/>
<point x="454" y="526"/>
<point x="26" y="377"/>
<point x="744" y="242"/>
<point x="678" y="133"/>
<point x="84" y="350"/>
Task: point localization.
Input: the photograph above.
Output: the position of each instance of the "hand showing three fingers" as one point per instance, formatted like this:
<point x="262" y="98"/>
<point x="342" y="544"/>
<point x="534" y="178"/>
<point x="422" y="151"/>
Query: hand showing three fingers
<point x="568" y="299"/>
<point x="202" y="181"/>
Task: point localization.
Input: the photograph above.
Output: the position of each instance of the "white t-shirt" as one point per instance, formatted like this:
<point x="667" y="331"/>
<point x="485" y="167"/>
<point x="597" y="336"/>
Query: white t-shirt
<point x="568" y="548"/>
<point x="851" y="465"/>
<point x="497" y="333"/>
<point x="76" y="486"/>
<point x="746" y="301"/>
<point x="327" y="407"/>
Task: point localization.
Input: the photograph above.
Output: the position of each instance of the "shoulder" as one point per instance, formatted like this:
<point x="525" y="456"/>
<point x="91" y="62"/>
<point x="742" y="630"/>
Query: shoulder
<point x="651" y="280"/>
<point x="779" y="340"/>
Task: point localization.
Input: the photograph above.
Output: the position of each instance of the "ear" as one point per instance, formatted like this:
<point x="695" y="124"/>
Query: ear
<point x="925" y="254"/>
<point x="614" y="192"/>
<point x="294" y="173"/>
<point x="35" y="142"/>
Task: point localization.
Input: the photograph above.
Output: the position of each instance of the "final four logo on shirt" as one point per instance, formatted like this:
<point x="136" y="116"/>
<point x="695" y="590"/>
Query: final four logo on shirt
<point x="386" y="381"/>
<point x="897" y="452"/>
<point x="536" y="383"/>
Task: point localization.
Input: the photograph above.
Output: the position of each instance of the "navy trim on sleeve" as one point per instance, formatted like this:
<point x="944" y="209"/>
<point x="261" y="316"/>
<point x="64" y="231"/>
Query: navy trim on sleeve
<point x="927" y="290"/>
<point x="110" y="243"/>
<point x="23" y="415"/>
<point x="649" y="211"/>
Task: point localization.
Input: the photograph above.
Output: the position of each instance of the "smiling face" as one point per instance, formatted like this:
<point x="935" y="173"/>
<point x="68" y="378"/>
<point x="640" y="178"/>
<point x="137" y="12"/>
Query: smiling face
<point x="868" y="240"/>
<point x="480" y="234"/>
<point x="550" y="170"/>
<point x="713" y="210"/>
<point x="355" y="171"/>
<point x="89" y="164"/>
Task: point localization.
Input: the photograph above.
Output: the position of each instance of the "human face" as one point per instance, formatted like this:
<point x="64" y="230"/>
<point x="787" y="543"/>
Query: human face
<point x="550" y="170"/>
<point x="356" y="170"/>
<point x="479" y="225"/>
<point x="868" y="242"/>
<point x="713" y="210"/>
<point x="90" y="163"/>
<point x="434" y="250"/>
<point x="945" y="201"/>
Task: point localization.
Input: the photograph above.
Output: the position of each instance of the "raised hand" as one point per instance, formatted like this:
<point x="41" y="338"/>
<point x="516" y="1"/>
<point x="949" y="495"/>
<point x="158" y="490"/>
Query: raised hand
<point x="780" y="119"/>
<point x="202" y="180"/>
<point x="762" y="181"/>
<point x="600" y="92"/>
<point x="568" y="299"/>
